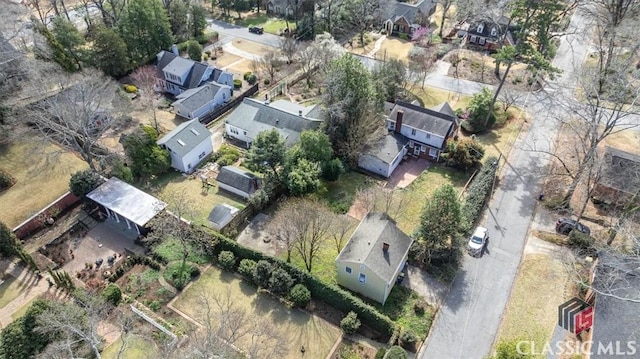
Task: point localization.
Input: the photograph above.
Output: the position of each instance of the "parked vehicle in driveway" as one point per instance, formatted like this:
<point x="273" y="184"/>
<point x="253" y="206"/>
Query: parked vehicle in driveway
<point x="566" y="225"/>
<point x="478" y="241"/>
<point x="256" y="30"/>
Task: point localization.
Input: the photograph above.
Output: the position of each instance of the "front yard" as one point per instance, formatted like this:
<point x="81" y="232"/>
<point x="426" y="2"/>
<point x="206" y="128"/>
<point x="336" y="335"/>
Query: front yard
<point x="270" y="24"/>
<point x="296" y="328"/>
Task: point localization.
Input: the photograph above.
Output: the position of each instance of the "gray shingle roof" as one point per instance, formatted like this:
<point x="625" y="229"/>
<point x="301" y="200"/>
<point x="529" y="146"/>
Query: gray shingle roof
<point x="424" y="119"/>
<point x="366" y="243"/>
<point x="387" y="147"/>
<point x="397" y="10"/>
<point x="193" y="99"/>
<point x="621" y="170"/>
<point x="185" y="137"/>
<point x="164" y="58"/>
<point x="244" y="181"/>
<point x="255" y="116"/>
<point x="168" y="61"/>
<point x="615" y="319"/>
<point x="178" y="66"/>
<point x="221" y="213"/>
<point x="195" y="76"/>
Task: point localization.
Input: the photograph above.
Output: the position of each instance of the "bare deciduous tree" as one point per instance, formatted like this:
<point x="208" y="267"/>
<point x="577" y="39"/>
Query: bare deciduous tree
<point x="341" y="227"/>
<point x="76" y="111"/>
<point x="145" y="78"/>
<point x="288" y="47"/>
<point x="268" y="64"/>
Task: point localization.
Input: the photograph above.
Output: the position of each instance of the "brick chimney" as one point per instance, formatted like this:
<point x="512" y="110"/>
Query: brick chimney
<point x="385" y="247"/>
<point x="399" y="115"/>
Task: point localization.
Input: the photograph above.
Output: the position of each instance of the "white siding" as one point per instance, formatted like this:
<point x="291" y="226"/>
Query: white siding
<point x="374" y="287"/>
<point x="237" y="133"/>
<point x="191" y="160"/>
<point x="423" y="136"/>
<point x="220" y="98"/>
<point x="375" y="165"/>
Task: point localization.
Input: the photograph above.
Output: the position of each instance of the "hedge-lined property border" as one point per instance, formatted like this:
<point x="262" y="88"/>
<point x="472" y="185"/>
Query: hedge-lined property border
<point x="478" y="193"/>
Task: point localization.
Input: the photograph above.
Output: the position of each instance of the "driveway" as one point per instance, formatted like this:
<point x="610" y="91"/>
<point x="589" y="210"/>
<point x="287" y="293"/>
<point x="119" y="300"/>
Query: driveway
<point x="467" y="323"/>
<point x="407" y="172"/>
<point x="230" y="31"/>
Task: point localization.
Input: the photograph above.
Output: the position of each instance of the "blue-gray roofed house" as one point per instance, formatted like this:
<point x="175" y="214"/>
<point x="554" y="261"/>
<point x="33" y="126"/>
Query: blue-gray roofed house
<point x="188" y="144"/>
<point x="238" y="181"/>
<point x="253" y="116"/>
<point x="197" y="102"/>
<point x="177" y="74"/>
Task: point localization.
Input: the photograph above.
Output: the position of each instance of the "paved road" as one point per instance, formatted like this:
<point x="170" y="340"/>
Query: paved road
<point x="467" y="323"/>
<point x="230" y="31"/>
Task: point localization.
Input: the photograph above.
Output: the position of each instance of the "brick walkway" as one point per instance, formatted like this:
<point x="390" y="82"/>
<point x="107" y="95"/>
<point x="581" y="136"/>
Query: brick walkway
<point x="31" y="288"/>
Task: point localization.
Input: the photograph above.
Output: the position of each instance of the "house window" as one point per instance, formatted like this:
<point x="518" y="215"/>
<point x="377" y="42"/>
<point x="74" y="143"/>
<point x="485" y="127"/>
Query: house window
<point x="494" y="32"/>
<point x="189" y="165"/>
<point x="413" y="131"/>
<point x="392" y="125"/>
<point x="201" y="155"/>
<point x="245" y="133"/>
<point x="428" y="136"/>
<point x="480" y="28"/>
<point x="473" y="39"/>
<point x="362" y="278"/>
<point x="433" y="153"/>
<point x="481" y="41"/>
<point x="347" y="269"/>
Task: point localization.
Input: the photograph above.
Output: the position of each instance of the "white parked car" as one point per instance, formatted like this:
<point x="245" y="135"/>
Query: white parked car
<point x="478" y="241"/>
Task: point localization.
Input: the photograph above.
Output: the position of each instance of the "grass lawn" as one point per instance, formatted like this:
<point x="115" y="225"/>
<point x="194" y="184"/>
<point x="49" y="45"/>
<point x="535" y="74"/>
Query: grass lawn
<point x="394" y="48"/>
<point x="10" y="289"/>
<point x="400" y="308"/>
<point x="42" y="173"/>
<point x="295" y="326"/>
<point x="252" y="47"/>
<point x="22" y="311"/>
<point x="225" y="59"/>
<point x="173" y="184"/>
<point x="171" y="250"/>
<point x="531" y="314"/>
<point x="341" y="193"/>
<point x="137" y="348"/>
<point x="500" y="140"/>
<point x="420" y="189"/>
<point x="270" y="24"/>
<point x="432" y="96"/>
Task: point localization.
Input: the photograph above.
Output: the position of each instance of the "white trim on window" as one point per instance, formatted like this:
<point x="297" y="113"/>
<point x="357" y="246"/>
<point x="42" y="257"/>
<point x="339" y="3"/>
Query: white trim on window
<point x="348" y="270"/>
<point x="362" y="278"/>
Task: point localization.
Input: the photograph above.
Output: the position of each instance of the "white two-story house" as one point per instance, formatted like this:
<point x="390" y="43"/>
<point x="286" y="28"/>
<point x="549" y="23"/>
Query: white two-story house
<point x="177" y="74"/>
<point x="412" y="131"/>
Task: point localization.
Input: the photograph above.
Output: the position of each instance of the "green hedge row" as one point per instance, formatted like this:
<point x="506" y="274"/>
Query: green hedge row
<point x="478" y="192"/>
<point x="332" y="295"/>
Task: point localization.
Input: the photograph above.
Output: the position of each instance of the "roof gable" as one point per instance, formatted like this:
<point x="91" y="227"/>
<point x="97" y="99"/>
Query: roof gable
<point x="397" y="10"/>
<point x="184" y="138"/>
<point x="193" y="99"/>
<point x="221" y="213"/>
<point x="621" y="170"/>
<point x="366" y="246"/>
<point x="234" y="177"/>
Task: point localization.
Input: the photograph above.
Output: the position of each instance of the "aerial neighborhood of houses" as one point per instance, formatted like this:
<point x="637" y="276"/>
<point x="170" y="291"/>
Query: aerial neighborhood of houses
<point x="319" y="179"/>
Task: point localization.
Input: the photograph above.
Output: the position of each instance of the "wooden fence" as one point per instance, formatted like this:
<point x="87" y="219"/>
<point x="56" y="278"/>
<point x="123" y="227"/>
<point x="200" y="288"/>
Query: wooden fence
<point x="37" y="221"/>
<point x="242" y="217"/>
<point x="228" y="106"/>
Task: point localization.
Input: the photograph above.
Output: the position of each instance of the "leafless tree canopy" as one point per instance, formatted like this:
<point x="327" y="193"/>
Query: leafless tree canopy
<point x="268" y="65"/>
<point x="145" y="78"/>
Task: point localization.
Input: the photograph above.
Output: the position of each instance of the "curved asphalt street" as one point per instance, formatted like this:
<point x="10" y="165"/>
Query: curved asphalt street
<point x="467" y="323"/>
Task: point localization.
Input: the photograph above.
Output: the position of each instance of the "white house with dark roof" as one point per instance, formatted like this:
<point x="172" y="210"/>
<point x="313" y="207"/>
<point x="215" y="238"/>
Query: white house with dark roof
<point x="238" y="181"/>
<point x="197" y="102"/>
<point x="405" y="17"/>
<point x="412" y="130"/>
<point x="374" y="257"/>
<point x="177" y="74"/>
<point x="188" y="144"/>
<point x="253" y="116"/>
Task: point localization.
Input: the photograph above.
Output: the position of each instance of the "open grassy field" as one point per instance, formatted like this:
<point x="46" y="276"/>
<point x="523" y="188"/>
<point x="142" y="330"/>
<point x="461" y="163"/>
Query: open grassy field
<point x="400" y="308"/>
<point x="172" y="185"/>
<point x="394" y="48"/>
<point x="42" y="173"/>
<point x="295" y="326"/>
<point x="270" y="24"/>
<point x="137" y="348"/>
<point x="419" y="190"/>
<point x="531" y="314"/>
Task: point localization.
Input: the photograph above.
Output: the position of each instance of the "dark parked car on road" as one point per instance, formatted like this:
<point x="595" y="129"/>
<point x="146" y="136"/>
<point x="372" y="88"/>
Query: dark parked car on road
<point x="256" y="30"/>
<point x="566" y="225"/>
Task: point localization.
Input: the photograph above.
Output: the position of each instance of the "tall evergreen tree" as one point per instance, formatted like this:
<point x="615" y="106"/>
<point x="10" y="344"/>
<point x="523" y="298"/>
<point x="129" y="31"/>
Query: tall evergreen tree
<point x="109" y="52"/>
<point x="144" y="26"/>
<point x="178" y="18"/>
<point x="197" y="20"/>
<point x="69" y="38"/>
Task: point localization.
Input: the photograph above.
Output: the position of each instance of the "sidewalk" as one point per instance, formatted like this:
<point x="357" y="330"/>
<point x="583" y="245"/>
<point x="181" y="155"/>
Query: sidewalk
<point x="32" y="288"/>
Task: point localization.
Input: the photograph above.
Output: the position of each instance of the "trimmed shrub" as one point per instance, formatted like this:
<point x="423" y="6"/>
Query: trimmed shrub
<point x="6" y="180"/>
<point x="580" y="240"/>
<point x="262" y="273"/>
<point x="332" y="170"/>
<point x="419" y="308"/>
<point x="154" y="306"/>
<point x="478" y="192"/>
<point x="83" y="182"/>
<point x="237" y="84"/>
<point x="300" y="295"/>
<point x="380" y="353"/>
<point x="246" y="268"/>
<point x="252" y="79"/>
<point x="130" y="88"/>
<point x="178" y="276"/>
<point x="395" y="352"/>
<point x="227" y="160"/>
<point x="280" y="282"/>
<point x="350" y="323"/>
<point x="408" y="340"/>
<point x="227" y="260"/>
<point x="112" y="294"/>
<point x="246" y="75"/>
<point x="266" y="81"/>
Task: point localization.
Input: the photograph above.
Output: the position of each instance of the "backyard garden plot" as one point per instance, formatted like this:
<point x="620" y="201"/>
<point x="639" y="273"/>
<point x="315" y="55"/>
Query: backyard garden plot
<point x="143" y="284"/>
<point x="294" y="327"/>
<point x="42" y="174"/>
<point x="136" y="347"/>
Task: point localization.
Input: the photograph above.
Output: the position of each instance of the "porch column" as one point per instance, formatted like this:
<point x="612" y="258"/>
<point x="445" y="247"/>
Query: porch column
<point x="117" y="218"/>
<point x="128" y="224"/>
<point x="137" y="228"/>
<point x="108" y="212"/>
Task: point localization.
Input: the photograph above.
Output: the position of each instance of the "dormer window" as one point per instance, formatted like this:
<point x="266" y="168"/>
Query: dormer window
<point x="494" y="32"/>
<point x="480" y="28"/>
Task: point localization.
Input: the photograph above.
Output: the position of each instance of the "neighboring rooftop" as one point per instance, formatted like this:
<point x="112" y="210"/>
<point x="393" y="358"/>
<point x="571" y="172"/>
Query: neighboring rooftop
<point x="366" y="245"/>
<point x="621" y="170"/>
<point x="127" y="201"/>
<point x="397" y="10"/>
<point x="387" y="147"/>
<point x="184" y="138"/>
<point x="221" y="214"/>
<point x="256" y="116"/>
<point x="237" y="178"/>
<point x="195" y="98"/>
<point x="429" y="120"/>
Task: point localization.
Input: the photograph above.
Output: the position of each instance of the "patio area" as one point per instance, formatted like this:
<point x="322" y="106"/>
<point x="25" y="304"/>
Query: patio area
<point x="108" y="238"/>
<point x="407" y="172"/>
<point x="255" y="236"/>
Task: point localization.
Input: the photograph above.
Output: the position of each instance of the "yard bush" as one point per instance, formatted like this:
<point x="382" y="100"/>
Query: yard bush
<point x="332" y="170"/>
<point x="112" y="294"/>
<point x="396" y="352"/>
<point x="350" y="323"/>
<point x="262" y="273"/>
<point x="252" y="79"/>
<point x="83" y="182"/>
<point x="408" y="340"/>
<point x="237" y="84"/>
<point x="580" y="240"/>
<point x="332" y="295"/>
<point x="227" y="260"/>
<point x="478" y="192"/>
<point x="6" y="180"/>
<point x="246" y="75"/>
<point x="380" y="353"/>
<point x="267" y="81"/>
<point x="130" y="88"/>
<point x="226" y="160"/>
<point x="246" y="268"/>
<point x="178" y="276"/>
<point x="280" y="282"/>
<point x="300" y="295"/>
<point x="154" y="306"/>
